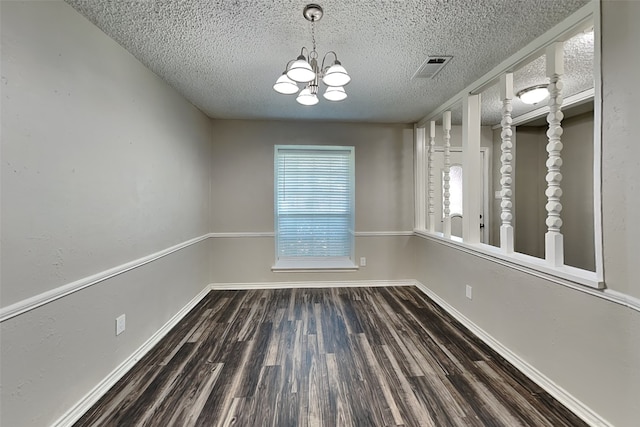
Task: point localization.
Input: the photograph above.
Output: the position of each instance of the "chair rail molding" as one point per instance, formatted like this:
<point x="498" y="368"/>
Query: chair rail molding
<point x="51" y="295"/>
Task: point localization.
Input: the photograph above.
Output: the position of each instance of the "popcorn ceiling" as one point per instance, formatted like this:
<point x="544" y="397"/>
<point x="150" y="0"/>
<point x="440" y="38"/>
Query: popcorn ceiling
<point x="224" y="56"/>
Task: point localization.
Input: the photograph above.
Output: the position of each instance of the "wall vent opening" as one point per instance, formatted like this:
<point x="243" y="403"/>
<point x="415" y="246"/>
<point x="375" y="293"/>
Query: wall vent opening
<point x="431" y="66"/>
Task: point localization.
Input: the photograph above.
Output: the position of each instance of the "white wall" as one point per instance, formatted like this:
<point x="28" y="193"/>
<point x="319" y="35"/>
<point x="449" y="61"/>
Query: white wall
<point x="242" y="159"/>
<point x="102" y="163"/>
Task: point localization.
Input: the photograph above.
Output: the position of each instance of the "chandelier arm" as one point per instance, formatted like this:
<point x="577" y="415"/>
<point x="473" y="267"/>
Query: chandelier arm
<point x="325" y="57"/>
<point x="286" y="67"/>
<point x="302" y="52"/>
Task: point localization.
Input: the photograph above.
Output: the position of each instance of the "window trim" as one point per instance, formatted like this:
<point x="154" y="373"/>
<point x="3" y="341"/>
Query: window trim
<point x="316" y="264"/>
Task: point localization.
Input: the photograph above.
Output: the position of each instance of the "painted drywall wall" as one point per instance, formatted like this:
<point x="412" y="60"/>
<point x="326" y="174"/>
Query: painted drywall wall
<point x="577" y="191"/>
<point x="585" y="344"/>
<point x="577" y="195"/>
<point x="243" y="156"/>
<point x="242" y="195"/>
<point x="620" y="148"/>
<point x="51" y="357"/>
<point x="593" y="354"/>
<point x="249" y="260"/>
<point x="102" y="163"/>
<point x="530" y="185"/>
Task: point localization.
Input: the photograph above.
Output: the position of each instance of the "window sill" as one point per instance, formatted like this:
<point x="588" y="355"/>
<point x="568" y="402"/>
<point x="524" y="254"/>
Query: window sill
<point x="311" y="265"/>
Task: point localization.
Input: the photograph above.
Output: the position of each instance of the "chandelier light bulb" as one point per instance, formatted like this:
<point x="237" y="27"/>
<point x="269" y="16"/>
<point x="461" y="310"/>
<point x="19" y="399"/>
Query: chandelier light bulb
<point x="306" y="97"/>
<point x="336" y="75"/>
<point x="335" y="93"/>
<point x="533" y="95"/>
<point x="301" y="71"/>
<point x="285" y="85"/>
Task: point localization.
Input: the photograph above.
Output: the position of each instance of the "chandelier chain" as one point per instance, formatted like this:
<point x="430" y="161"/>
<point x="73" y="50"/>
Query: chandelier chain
<point x="313" y="33"/>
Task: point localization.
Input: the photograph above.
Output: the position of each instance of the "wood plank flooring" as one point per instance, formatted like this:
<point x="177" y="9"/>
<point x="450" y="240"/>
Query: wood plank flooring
<point x="324" y="357"/>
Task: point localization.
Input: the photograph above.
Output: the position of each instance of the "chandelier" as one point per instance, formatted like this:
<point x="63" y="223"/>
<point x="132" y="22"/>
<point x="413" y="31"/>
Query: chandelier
<point x="305" y="70"/>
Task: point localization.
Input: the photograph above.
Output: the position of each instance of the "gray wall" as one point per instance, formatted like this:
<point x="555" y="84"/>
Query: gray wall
<point x="587" y="345"/>
<point x="620" y="150"/>
<point x="577" y="196"/>
<point x="102" y="163"/>
<point x="530" y="184"/>
<point x="243" y="155"/>
<point x="577" y="191"/>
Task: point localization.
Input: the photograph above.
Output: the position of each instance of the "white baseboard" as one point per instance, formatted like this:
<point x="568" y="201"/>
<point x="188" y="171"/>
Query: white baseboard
<point x="289" y="285"/>
<point x="560" y="394"/>
<point x="79" y="409"/>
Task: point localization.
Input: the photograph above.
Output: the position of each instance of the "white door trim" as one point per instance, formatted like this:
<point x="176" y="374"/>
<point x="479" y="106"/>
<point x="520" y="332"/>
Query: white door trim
<point x="485" y="153"/>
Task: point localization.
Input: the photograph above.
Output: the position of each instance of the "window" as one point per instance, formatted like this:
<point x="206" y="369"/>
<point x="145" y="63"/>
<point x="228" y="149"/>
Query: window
<point x="314" y="209"/>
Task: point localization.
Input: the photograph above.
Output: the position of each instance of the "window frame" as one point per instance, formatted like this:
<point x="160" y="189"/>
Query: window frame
<point x="315" y="263"/>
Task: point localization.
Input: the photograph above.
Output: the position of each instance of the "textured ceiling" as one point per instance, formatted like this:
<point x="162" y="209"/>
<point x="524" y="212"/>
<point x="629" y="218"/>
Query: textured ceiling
<point x="225" y="55"/>
<point x="578" y="77"/>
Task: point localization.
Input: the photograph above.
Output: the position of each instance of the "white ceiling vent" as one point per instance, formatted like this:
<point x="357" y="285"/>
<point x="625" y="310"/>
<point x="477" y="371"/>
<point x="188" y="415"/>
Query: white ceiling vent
<point x="431" y="66"/>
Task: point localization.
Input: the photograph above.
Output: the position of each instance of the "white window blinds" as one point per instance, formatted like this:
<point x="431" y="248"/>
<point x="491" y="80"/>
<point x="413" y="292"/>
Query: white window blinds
<point x="314" y="215"/>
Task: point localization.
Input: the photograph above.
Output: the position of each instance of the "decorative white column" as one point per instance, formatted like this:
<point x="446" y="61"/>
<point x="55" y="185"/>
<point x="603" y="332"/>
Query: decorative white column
<point x="472" y="172"/>
<point x="420" y="190"/>
<point x="506" y="169"/>
<point x="446" y="127"/>
<point x="554" y="245"/>
<point x="432" y="176"/>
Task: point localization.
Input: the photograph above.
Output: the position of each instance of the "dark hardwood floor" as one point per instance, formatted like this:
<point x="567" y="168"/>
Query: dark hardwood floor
<point x="324" y="357"/>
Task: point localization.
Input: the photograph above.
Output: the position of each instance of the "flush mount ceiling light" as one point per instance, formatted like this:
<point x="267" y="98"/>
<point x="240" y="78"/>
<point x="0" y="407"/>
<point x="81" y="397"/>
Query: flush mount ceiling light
<point x="534" y="94"/>
<point x="304" y="69"/>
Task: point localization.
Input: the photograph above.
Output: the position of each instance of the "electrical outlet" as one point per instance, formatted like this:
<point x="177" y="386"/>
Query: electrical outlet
<point x="120" y="324"/>
<point x="363" y="261"/>
<point x="469" y="292"/>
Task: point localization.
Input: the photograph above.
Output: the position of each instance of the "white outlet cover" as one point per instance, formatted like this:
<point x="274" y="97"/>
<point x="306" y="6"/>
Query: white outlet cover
<point x="469" y="292"/>
<point x="120" y="324"/>
<point x="363" y="261"/>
